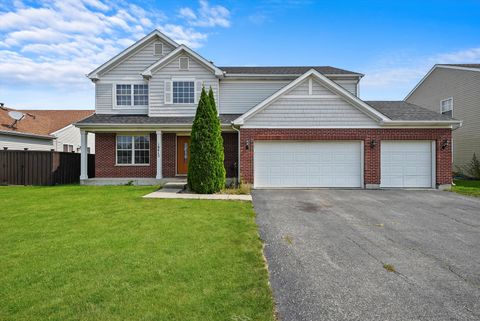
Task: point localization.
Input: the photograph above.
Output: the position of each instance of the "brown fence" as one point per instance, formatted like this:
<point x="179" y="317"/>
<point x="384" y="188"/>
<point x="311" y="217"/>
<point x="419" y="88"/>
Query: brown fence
<point x="18" y="167"/>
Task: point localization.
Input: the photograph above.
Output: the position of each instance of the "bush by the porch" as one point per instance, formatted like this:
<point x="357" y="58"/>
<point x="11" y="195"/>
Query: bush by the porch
<point x="206" y="172"/>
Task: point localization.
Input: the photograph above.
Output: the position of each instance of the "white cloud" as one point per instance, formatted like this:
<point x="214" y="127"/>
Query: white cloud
<point x="206" y="15"/>
<point x="58" y="41"/>
<point x="187" y="36"/>
<point x="394" y="77"/>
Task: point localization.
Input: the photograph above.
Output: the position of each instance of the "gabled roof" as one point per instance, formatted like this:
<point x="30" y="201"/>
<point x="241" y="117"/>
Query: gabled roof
<point x="148" y="72"/>
<point x="466" y="67"/>
<point x="155" y="33"/>
<point x="401" y="110"/>
<point x="40" y="122"/>
<point x="329" y="84"/>
<point x="287" y="70"/>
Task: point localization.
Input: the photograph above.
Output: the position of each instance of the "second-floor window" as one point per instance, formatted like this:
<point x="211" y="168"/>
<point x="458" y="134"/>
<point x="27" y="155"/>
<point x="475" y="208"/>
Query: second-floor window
<point x="183" y="92"/>
<point x="131" y="95"/>
<point x="446" y="107"/>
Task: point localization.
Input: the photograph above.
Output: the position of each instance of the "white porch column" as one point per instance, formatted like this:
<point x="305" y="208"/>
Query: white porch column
<point x="159" y="154"/>
<point x="83" y="155"/>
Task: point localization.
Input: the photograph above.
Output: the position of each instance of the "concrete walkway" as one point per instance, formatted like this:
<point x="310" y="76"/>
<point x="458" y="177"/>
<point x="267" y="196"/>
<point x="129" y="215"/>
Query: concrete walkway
<point x="171" y="193"/>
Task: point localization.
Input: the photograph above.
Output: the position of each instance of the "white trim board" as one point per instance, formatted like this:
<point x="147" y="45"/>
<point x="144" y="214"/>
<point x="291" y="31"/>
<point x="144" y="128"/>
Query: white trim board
<point x="93" y="75"/>
<point x="182" y="48"/>
<point x="329" y="84"/>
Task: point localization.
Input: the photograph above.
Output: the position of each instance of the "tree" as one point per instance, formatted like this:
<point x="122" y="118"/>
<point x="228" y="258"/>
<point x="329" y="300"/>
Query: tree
<point x="473" y="168"/>
<point x="206" y="172"/>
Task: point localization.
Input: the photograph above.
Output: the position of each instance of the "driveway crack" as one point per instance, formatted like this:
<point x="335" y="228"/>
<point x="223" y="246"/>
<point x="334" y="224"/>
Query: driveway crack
<point x="402" y="276"/>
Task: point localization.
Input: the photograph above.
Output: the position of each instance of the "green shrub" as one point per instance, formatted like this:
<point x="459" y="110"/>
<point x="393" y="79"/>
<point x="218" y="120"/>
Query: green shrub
<point x="473" y="168"/>
<point x="206" y="172"/>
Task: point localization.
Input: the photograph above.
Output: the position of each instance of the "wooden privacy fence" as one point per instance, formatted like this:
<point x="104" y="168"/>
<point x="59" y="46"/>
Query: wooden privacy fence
<point x="26" y="167"/>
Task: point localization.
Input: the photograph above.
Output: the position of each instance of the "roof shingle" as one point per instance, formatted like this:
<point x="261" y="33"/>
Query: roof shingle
<point x="401" y="110"/>
<point x="107" y="119"/>
<point x="41" y="122"/>
<point x="462" y="65"/>
<point x="285" y="70"/>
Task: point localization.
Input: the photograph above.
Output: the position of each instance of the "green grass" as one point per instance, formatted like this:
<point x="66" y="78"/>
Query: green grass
<point x="465" y="187"/>
<point x="104" y="253"/>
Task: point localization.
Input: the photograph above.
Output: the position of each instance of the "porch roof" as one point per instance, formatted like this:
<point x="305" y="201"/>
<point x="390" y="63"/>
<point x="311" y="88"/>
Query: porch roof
<point x="112" y="119"/>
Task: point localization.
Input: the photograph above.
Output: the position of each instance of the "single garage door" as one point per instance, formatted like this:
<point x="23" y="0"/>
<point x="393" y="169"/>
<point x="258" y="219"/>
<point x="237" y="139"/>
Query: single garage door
<point x="308" y="164"/>
<point x="407" y="163"/>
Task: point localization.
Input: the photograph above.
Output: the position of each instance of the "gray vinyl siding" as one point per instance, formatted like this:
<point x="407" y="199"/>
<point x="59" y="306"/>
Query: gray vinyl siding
<point x="310" y="112"/>
<point x="350" y="85"/>
<point x="238" y="96"/>
<point x="127" y="71"/>
<point x="196" y="72"/>
<point x="20" y="143"/>
<point x="464" y="87"/>
<point x="132" y="67"/>
<point x="104" y="100"/>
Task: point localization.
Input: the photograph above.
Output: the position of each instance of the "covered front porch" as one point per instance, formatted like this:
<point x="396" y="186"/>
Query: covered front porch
<point x="147" y="157"/>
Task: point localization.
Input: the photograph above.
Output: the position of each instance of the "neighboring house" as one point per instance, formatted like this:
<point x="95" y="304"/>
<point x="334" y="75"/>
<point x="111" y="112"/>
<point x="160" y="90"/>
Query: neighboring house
<point x="43" y="130"/>
<point x="454" y="90"/>
<point x="282" y="126"/>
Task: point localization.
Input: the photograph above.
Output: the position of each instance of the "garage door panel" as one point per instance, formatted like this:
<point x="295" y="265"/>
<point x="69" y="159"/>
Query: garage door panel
<point x="307" y="164"/>
<point x="406" y="164"/>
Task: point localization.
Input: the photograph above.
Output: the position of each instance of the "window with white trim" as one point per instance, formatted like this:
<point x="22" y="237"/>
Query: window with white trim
<point x="183" y="92"/>
<point x="67" y="148"/>
<point x="446" y="107"/>
<point x="133" y="150"/>
<point x="128" y="96"/>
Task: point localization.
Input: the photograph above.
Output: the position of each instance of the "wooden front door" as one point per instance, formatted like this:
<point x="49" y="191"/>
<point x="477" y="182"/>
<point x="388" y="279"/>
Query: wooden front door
<point x="183" y="154"/>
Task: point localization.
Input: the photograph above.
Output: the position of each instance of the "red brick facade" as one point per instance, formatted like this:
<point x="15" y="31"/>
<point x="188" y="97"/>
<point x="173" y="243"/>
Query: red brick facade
<point x="371" y="155"/>
<point x="105" y="150"/>
<point x="105" y="157"/>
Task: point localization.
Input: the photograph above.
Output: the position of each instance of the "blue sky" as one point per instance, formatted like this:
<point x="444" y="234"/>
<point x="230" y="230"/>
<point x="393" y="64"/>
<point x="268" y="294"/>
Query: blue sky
<point x="46" y="47"/>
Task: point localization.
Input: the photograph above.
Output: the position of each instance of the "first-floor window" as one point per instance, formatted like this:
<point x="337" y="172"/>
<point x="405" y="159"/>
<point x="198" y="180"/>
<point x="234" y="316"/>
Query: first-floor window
<point x="133" y="149"/>
<point x="67" y="148"/>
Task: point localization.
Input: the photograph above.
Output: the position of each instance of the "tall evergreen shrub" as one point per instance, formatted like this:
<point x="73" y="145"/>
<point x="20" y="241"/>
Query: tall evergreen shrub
<point x="206" y="172"/>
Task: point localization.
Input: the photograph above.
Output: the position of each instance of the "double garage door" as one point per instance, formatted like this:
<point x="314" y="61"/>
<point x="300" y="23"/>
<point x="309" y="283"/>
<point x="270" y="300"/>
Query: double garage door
<point x="305" y="164"/>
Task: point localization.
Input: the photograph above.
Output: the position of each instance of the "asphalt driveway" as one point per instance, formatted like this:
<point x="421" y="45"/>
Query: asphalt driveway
<point x="329" y="252"/>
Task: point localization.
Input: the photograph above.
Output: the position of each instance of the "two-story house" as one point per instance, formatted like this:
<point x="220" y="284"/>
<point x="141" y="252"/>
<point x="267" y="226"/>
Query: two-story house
<point x="454" y="90"/>
<point x="282" y="126"/>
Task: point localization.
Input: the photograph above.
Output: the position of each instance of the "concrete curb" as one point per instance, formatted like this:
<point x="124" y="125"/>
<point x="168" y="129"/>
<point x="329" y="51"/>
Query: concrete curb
<point x="176" y="195"/>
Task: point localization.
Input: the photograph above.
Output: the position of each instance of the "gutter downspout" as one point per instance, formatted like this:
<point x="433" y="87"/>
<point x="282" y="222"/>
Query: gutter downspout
<point x="238" y="162"/>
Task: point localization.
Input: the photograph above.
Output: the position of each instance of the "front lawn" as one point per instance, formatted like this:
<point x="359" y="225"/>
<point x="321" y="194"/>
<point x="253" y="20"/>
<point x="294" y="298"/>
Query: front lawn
<point x="104" y="253"/>
<point x="466" y="187"/>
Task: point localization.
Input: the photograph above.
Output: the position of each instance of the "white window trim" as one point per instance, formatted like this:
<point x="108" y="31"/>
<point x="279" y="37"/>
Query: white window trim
<point x="194" y="91"/>
<point x="180" y="65"/>
<point x="133" y="149"/>
<point x="441" y="102"/>
<point x="131" y="83"/>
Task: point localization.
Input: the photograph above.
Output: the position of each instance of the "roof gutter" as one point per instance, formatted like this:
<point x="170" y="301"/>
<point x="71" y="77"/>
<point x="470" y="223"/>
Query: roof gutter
<point x="7" y="132"/>
<point x="119" y="127"/>
<point x="406" y="123"/>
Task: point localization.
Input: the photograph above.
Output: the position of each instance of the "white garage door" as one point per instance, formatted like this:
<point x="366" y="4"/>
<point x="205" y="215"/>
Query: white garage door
<point x="406" y="163"/>
<point x="308" y="164"/>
